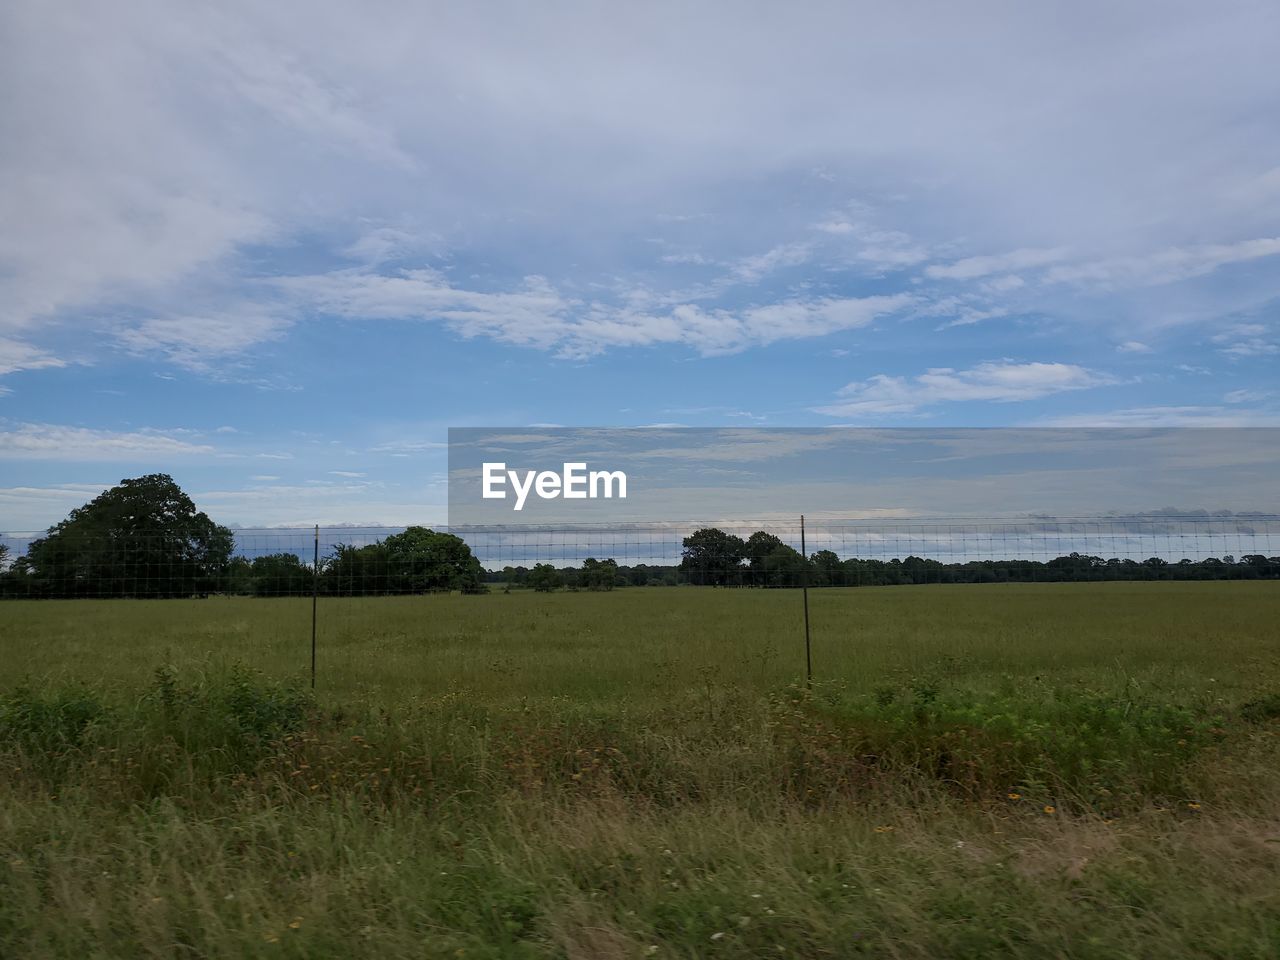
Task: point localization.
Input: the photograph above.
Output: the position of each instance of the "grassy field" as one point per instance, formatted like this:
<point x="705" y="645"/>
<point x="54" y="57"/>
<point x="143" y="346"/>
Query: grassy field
<point x="1066" y="770"/>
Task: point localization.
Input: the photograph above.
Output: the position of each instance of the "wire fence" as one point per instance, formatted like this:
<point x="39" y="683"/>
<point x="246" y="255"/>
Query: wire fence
<point x="337" y="563"/>
<point x="372" y="561"/>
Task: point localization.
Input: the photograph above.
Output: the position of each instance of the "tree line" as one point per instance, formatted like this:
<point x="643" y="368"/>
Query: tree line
<point x="712" y="557"/>
<point x="145" y="538"/>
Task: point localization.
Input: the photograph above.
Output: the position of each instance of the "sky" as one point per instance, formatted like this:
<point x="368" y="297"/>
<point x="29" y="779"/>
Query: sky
<point x="732" y="476"/>
<point x="277" y="250"/>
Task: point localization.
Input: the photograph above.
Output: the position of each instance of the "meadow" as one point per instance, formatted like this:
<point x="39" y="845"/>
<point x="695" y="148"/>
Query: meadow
<point x="1023" y="770"/>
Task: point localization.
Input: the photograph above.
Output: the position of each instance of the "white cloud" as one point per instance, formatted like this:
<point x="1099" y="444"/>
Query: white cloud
<point x="837" y="227"/>
<point x="18" y="355"/>
<point x="1003" y="284"/>
<point x="1002" y="381"/>
<point x="1246" y="396"/>
<point x="400" y="448"/>
<point x="162" y="161"/>
<point x="1241" y="340"/>
<point x="1133" y="346"/>
<point x="1171" y="416"/>
<point x="751" y="269"/>
<point x="381" y="244"/>
<point x="971" y="268"/>
<point x="1165" y="266"/>
<point x="860" y="242"/>
<point x="537" y="315"/>
<point x="348" y="474"/>
<point x="47" y="441"/>
<point x="196" y="341"/>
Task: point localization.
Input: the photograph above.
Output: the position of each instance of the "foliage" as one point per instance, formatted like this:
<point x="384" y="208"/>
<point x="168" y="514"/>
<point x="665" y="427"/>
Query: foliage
<point x="280" y="575"/>
<point x="47" y="720"/>
<point x="598" y="574"/>
<point x="143" y="538"/>
<point x="544" y="578"/>
<point x="232" y="816"/>
<point x="419" y="560"/>
<point x="712" y="557"/>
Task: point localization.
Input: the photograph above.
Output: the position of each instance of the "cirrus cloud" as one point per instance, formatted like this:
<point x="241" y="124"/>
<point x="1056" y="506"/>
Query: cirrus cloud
<point x="1001" y="381"/>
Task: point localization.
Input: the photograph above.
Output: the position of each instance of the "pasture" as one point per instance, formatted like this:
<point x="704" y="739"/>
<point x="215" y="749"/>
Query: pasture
<point x="1026" y="770"/>
<point x="639" y="645"/>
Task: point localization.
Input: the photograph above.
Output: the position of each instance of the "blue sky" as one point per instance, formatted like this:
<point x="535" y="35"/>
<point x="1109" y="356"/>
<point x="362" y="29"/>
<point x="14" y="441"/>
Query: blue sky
<point x="277" y="250"/>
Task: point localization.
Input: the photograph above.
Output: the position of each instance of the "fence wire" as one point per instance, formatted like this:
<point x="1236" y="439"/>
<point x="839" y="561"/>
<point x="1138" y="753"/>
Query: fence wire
<point x="379" y="561"/>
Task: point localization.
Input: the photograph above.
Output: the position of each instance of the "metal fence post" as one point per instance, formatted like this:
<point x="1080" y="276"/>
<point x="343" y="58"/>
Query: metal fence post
<point x="315" y="601"/>
<point x="804" y="589"/>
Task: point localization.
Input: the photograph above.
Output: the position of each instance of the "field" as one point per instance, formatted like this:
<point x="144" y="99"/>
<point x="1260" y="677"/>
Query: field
<point x="1057" y="770"/>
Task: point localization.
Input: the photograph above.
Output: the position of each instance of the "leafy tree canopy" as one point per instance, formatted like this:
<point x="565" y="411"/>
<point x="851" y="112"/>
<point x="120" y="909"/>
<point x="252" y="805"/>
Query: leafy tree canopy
<point x="143" y="538"/>
<point x="713" y="557"/>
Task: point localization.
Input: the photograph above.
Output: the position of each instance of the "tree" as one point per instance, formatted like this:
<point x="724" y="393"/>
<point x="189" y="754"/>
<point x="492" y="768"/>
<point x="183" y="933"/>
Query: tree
<point x="545" y="578"/>
<point x="827" y="569"/>
<point x="143" y="538"/>
<point x="783" y="567"/>
<point x="420" y="560"/>
<point x="423" y="561"/>
<point x="280" y="575"/>
<point x="759" y="546"/>
<point x="598" y="574"/>
<point x="355" y="571"/>
<point x="712" y="557"/>
<point x="8" y="579"/>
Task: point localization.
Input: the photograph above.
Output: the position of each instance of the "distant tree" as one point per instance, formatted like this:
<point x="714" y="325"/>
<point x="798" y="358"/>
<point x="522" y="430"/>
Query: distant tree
<point x="419" y="560"/>
<point x="759" y="546"/>
<point x="827" y="569"/>
<point x="423" y="560"/>
<point x="545" y="578"/>
<point x="783" y="567"/>
<point x="143" y="538"/>
<point x="280" y="575"/>
<point x="515" y="575"/>
<point x="237" y="577"/>
<point x="354" y="571"/>
<point x="598" y="574"/>
<point x="712" y="557"/>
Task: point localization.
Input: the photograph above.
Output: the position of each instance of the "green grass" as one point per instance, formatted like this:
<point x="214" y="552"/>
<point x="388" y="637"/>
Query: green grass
<point x="641" y="644"/>
<point x="1069" y="770"/>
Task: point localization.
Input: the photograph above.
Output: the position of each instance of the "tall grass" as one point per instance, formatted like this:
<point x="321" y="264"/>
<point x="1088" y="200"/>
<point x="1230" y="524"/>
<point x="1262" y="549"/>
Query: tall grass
<point x="934" y="800"/>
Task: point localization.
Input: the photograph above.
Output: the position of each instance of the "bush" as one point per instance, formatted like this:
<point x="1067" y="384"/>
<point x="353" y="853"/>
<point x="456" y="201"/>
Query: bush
<point x="49" y="722"/>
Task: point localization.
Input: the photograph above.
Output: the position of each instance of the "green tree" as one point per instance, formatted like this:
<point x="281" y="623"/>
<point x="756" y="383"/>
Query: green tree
<point x="828" y="571"/>
<point x="598" y="574"/>
<point x="783" y="567"/>
<point x="419" y="560"/>
<point x="759" y="546"/>
<point x="545" y="578"/>
<point x="712" y="557"/>
<point x="425" y="561"/>
<point x="354" y="571"/>
<point x="143" y="538"/>
<point x="280" y="575"/>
